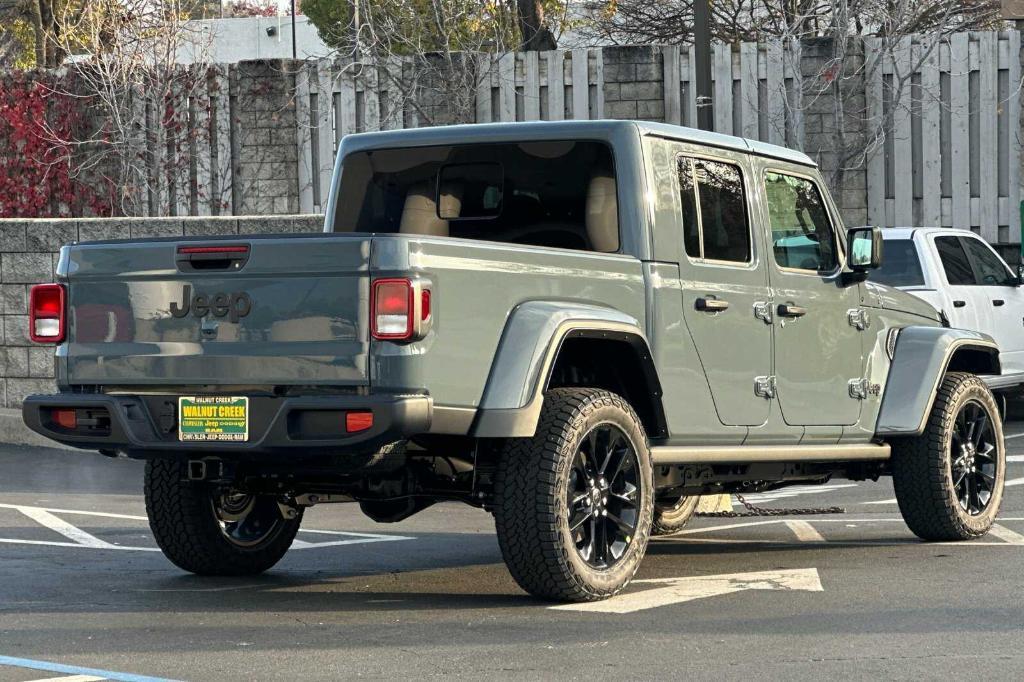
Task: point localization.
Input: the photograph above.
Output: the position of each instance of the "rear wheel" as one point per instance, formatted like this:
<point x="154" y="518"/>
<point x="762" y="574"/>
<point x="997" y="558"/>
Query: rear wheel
<point x="214" y="531"/>
<point x="573" y="504"/>
<point x="672" y="514"/>
<point x="949" y="480"/>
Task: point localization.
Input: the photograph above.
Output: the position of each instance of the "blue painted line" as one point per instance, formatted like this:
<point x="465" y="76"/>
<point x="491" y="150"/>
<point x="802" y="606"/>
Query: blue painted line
<point x="76" y="670"/>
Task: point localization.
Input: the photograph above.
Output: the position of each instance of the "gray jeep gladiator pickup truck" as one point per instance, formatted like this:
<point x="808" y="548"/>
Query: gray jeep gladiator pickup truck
<point x="578" y="326"/>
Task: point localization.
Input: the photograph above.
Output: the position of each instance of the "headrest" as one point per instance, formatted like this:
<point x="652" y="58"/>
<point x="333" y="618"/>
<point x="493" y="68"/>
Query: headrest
<point x="602" y="213"/>
<point x="419" y="215"/>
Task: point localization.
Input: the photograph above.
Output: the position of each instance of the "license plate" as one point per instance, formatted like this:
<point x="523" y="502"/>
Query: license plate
<point x="213" y="418"/>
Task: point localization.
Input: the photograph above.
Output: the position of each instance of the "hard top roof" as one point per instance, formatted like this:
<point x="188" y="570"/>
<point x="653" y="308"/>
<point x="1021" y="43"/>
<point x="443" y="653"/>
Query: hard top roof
<point x="550" y="130"/>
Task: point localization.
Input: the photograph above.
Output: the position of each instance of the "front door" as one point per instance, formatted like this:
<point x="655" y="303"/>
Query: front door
<point x="725" y="286"/>
<point x="818" y="357"/>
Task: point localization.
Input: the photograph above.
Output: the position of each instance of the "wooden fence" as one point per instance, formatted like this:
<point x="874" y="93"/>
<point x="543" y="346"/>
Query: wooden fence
<point x="950" y="117"/>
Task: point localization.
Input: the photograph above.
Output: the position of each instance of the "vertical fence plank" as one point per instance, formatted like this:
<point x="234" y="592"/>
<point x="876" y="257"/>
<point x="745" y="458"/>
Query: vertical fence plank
<point x="796" y="96"/>
<point x="673" y="102"/>
<point x="749" y="90"/>
<point x="224" y="173"/>
<point x="598" y="82"/>
<point x="691" y="89"/>
<point x="776" y="95"/>
<point x="580" y="85"/>
<point x="876" y="154"/>
<point x="324" y="129"/>
<point x="180" y="165"/>
<point x="1012" y="112"/>
<point x="507" y="87"/>
<point x="202" y="141"/>
<point x="391" y="109"/>
<point x="345" y="110"/>
<point x="531" y="86"/>
<point x="483" y="89"/>
<point x="371" y="97"/>
<point x="931" y="143"/>
<point x="556" y="84"/>
<point x="960" y="129"/>
<point x="723" y="88"/>
<point x="902" y="142"/>
<point x="304" y="121"/>
<point x="988" y="114"/>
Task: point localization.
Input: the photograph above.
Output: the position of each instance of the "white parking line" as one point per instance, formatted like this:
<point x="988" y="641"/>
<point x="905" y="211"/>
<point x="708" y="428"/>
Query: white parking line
<point x="1008" y="436"/>
<point x="76" y="535"/>
<point x="1013" y="482"/>
<point x="804" y="531"/>
<point x="1015" y="458"/>
<point x="1004" y="533"/>
<point x="890" y="501"/>
<point x="70" y="678"/>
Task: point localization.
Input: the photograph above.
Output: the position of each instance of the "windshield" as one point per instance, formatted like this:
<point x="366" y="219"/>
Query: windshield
<point x="901" y="266"/>
<point x="557" y="193"/>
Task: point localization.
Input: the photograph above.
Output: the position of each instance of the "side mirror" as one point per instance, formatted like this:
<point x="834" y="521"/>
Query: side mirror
<point x="865" y="248"/>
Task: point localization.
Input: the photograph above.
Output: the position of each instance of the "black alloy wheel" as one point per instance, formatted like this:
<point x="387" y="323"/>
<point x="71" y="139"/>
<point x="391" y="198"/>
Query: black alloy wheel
<point x="602" y="496"/>
<point x="973" y="458"/>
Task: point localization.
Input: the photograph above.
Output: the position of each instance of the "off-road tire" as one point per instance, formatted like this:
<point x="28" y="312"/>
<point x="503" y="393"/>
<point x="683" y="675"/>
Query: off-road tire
<point x="922" y="467"/>
<point x="669" y="520"/>
<point x="186" y="528"/>
<point x="531" y="509"/>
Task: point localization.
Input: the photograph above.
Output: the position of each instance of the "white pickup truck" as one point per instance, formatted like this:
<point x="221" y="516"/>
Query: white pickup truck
<point x="966" y="280"/>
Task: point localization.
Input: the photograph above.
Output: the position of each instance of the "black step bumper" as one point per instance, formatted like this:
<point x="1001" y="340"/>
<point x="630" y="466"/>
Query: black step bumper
<point x="145" y="427"/>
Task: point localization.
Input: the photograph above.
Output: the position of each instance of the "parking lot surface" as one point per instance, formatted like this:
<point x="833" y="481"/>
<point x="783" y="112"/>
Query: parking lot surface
<point x="85" y="595"/>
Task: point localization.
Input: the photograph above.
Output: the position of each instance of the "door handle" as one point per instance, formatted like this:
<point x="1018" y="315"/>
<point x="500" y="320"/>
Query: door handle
<point x="710" y="305"/>
<point x="959" y="304"/>
<point x="787" y="310"/>
<point x="998" y="302"/>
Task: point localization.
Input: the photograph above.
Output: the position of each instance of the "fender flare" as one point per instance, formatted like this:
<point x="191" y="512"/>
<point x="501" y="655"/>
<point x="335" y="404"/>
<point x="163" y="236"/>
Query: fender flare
<point x="534" y="333"/>
<point x="920" y="360"/>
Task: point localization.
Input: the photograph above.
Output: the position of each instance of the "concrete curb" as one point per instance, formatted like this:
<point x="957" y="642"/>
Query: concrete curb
<point x="14" y="432"/>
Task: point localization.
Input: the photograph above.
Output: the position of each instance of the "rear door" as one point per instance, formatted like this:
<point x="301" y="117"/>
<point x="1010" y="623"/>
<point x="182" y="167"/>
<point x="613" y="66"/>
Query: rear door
<point x="967" y="307"/>
<point x="724" y="285"/>
<point x="288" y="310"/>
<point x="817" y="346"/>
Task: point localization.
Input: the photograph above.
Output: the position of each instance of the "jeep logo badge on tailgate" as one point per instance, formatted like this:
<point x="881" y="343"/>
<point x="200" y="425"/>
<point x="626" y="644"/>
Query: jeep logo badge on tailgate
<point x="234" y="306"/>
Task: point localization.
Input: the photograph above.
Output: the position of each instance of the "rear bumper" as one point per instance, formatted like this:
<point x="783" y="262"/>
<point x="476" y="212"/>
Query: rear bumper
<point x="146" y="426"/>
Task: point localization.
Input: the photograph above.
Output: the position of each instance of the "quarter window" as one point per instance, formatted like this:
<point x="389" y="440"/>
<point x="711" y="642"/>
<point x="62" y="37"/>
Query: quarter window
<point x="954" y="261"/>
<point x="802" y="236"/>
<point x="715" y="225"/>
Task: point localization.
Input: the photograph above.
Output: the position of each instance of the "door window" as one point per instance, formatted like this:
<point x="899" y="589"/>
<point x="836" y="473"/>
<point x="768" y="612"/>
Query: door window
<point x="954" y="261"/>
<point x="802" y="235"/>
<point x="988" y="266"/>
<point x="715" y="225"/>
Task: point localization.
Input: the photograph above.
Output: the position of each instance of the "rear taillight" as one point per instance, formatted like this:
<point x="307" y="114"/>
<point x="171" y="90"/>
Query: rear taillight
<point x="46" y="310"/>
<point x="392" y="309"/>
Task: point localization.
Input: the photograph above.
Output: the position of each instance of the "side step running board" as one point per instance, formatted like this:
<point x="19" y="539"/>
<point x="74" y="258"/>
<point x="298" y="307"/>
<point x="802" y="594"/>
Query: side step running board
<point x="748" y="454"/>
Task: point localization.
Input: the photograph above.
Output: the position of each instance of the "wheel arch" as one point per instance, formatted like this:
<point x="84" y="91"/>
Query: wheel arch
<point x="547" y="344"/>
<point x="922" y="356"/>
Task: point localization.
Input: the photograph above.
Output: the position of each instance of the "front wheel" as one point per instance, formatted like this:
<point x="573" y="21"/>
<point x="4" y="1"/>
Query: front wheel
<point x="212" y="531"/>
<point x="573" y="504"/>
<point x="949" y="480"/>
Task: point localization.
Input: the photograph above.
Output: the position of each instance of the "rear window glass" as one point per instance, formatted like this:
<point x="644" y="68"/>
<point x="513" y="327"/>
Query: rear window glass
<point x="557" y="194"/>
<point x="901" y="266"/>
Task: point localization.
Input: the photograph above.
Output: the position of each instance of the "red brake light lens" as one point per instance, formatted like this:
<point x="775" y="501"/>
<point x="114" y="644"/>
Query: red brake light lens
<point x="392" y="309"/>
<point x="358" y="421"/>
<point x="66" y="418"/>
<point x="46" y="304"/>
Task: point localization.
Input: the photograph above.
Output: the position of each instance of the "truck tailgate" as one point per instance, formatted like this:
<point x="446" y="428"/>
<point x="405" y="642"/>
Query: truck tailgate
<point x="288" y="310"/>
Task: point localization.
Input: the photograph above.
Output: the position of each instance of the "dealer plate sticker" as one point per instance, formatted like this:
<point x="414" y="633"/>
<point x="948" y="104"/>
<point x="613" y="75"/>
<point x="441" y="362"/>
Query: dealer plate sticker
<point x="213" y="418"/>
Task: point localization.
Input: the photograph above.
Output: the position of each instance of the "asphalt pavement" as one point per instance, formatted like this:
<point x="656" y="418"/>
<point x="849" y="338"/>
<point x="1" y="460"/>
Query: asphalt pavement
<point x="85" y="595"/>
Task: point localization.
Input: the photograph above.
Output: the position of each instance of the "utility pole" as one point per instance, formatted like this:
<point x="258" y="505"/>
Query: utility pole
<point x="295" y="51"/>
<point x="702" y="57"/>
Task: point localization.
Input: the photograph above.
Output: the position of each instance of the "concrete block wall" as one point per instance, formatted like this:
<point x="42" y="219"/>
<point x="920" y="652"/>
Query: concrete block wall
<point x="29" y="251"/>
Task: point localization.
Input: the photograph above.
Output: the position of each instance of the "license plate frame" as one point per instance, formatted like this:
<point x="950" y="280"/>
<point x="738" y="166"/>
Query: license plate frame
<point x="213" y="419"/>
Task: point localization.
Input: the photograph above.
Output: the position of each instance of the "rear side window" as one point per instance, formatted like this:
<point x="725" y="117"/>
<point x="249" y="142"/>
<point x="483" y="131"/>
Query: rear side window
<point x="901" y="266"/>
<point x="802" y="236"/>
<point x="560" y="193"/>
<point x="715" y="225"/>
<point x="989" y="267"/>
<point x="954" y="261"/>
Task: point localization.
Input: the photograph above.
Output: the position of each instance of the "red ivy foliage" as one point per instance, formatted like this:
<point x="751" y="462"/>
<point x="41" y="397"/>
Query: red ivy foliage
<point x="36" y="155"/>
<point x="253" y="8"/>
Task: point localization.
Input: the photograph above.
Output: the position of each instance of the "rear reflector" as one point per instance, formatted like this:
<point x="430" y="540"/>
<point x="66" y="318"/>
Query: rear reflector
<point x="358" y="421"/>
<point x="64" y="418"/>
<point x="392" y="309"/>
<point x="46" y="304"/>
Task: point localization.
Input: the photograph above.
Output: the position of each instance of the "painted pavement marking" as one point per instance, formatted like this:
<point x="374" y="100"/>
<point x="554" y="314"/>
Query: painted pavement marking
<point x="666" y="591"/>
<point x="804" y="531"/>
<point x="90" y="673"/>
